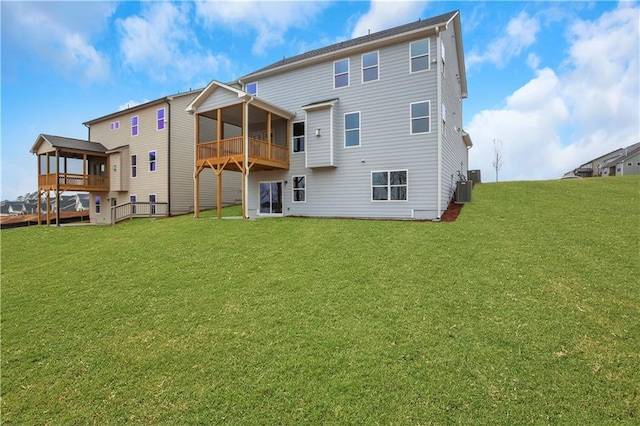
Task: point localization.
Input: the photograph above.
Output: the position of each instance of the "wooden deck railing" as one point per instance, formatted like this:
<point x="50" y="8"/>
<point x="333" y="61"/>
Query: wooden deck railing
<point x="74" y="180"/>
<point x="234" y="146"/>
<point x="138" y="209"/>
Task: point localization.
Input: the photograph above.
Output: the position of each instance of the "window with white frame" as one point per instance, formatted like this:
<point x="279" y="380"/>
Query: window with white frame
<point x="114" y="125"/>
<point x="389" y="185"/>
<point x="352" y="129"/>
<point x="134" y="165"/>
<point x="341" y="73"/>
<point x="252" y="88"/>
<point x="420" y="117"/>
<point x="444" y="120"/>
<point x="420" y="55"/>
<point x="97" y="201"/>
<point x="134" y="125"/>
<point x="160" y="119"/>
<point x="133" y="200"/>
<point x="299" y="189"/>
<point x="153" y="161"/>
<point x="370" y="67"/>
<point x="442" y="56"/>
<point x="152" y="203"/>
<point x="298" y="137"/>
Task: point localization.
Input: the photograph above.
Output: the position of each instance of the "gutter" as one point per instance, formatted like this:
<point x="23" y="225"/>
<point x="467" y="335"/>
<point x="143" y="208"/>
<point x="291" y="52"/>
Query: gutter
<point x="168" y="156"/>
<point x="245" y="125"/>
<point x="439" y="115"/>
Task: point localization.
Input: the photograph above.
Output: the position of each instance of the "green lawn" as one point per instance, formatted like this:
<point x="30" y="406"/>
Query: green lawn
<point x="524" y="310"/>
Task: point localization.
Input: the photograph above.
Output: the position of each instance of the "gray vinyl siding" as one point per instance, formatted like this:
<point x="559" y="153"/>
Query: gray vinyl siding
<point x="218" y="98"/>
<point x="319" y="149"/>
<point x="454" y="158"/>
<point x="634" y="168"/>
<point x="386" y="142"/>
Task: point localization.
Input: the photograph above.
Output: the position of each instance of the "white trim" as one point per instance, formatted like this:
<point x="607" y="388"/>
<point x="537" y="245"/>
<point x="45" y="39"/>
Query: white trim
<point x="248" y="84"/>
<point x="348" y="73"/>
<point x="359" y="129"/>
<point x="411" y="117"/>
<point x="293" y="189"/>
<point x="155" y="160"/>
<point x="389" y="186"/>
<point x="131" y="164"/>
<point x="428" y="55"/>
<point x="377" y="52"/>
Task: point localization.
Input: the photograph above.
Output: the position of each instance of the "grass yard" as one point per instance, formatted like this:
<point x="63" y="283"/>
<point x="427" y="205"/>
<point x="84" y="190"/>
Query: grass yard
<point x="524" y="310"/>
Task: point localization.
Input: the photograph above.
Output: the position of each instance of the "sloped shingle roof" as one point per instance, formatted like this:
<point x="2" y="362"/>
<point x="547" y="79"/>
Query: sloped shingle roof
<point x="70" y="143"/>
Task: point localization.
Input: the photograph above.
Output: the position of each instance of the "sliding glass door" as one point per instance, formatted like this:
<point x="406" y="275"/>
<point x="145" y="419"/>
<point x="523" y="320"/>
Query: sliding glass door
<point x="271" y="197"/>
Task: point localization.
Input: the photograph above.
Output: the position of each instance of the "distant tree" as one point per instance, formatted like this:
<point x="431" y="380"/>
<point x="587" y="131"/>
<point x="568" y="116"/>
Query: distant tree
<point x="498" y="159"/>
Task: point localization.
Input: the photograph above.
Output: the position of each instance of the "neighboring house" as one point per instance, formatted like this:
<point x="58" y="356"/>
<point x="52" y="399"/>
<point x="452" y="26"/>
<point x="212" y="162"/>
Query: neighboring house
<point x="142" y="155"/>
<point x="617" y="162"/>
<point x="12" y="208"/>
<point x="365" y="128"/>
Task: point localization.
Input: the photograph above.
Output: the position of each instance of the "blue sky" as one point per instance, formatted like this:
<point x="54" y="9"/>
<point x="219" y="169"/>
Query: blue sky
<point x="556" y="82"/>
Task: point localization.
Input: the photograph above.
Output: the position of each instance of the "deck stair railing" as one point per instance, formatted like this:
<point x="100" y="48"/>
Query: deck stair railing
<point x="138" y="209"/>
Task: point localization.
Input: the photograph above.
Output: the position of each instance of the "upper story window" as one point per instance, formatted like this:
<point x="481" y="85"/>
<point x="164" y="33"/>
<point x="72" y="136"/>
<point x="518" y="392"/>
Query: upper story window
<point x="252" y="88"/>
<point x="153" y="163"/>
<point x="160" y="119"/>
<point x="134" y="165"/>
<point x="299" y="189"/>
<point x="352" y="129"/>
<point x="341" y="73"/>
<point x="298" y="137"/>
<point x="114" y="126"/>
<point x="444" y="120"/>
<point x="420" y="117"/>
<point x="420" y="55"/>
<point x="370" y="67"/>
<point x="134" y="125"/>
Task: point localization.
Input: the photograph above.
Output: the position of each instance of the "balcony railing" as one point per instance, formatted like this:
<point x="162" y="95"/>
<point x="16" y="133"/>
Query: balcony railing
<point x="138" y="209"/>
<point x="233" y="147"/>
<point x="71" y="181"/>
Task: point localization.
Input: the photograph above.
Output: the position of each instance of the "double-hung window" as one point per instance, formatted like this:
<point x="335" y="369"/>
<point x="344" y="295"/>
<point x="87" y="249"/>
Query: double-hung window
<point x="134" y="125"/>
<point x="352" y="129"/>
<point x="370" y="67"/>
<point x="420" y="55"/>
<point x="97" y="204"/>
<point x="153" y="161"/>
<point x="252" y="88"/>
<point x="420" y="117"/>
<point x="160" y="119"/>
<point x="341" y="73"/>
<point x="298" y="136"/>
<point x="299" y="189"/>
<point x="389" y="185"/>
<point x="152" y="203"/>
<point x="134" y="165"/>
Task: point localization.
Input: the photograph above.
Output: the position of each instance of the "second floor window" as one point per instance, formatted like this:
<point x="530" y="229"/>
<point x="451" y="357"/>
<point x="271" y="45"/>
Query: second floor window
<point x="252" y="88"/>
<point x="152" y="161"/>
<point x="114" y="126"/>
<point x="420" y="55"/>
<point x="134" y="125"/>
<point x="370" y="67"/>
<point x="134" y="166"/>
<point x="160" y="119"/>
<point x="341" y="73"/>
<point x="298" y="137"/>
<point x="352" y="129"/>
<point x="420" y="117"/>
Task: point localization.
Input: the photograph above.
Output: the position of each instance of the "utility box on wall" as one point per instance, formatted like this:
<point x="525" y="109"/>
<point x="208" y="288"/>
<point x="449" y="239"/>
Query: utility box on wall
<point x="463" y="191"/>
<point x="474" y="176"/>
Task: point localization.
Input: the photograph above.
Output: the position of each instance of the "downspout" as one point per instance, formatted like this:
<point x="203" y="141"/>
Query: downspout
<point x="439" y="121"/>
<point x="168" y="156"/>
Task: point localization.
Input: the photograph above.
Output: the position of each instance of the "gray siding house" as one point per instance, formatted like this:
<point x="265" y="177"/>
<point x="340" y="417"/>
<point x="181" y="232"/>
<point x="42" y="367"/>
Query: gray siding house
<point x="135" y="162"/>
<point x="366" y="128"/>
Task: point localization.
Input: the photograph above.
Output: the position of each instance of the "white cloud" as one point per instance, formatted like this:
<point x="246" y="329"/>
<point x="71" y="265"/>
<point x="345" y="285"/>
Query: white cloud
<point x="520" y="33"/>
<point x="59" y="34"/>
<point x="533" y="61"/>
<point x="556" y="122"/>
<point x="270" y="20"/>
<point x="159" y="43"/>
<point x="387" y="14"/>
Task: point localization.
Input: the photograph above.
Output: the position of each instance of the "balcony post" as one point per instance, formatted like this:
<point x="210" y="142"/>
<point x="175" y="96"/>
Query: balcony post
<point x="269" y="133"/>
<point x="218" y="131"/>
<point x="39" y="201"/>
<point x="85" y="178"/>
<point x="47" y="186"/>
<point x="57" y="189"/>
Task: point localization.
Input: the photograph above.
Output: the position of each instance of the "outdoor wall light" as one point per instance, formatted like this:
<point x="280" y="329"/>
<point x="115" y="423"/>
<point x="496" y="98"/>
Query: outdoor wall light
<point x="318" y="132"/>
<point x="114" y="168"/>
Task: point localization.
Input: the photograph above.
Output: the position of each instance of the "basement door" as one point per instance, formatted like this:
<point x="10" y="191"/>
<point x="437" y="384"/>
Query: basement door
<point x="271" y="198"/>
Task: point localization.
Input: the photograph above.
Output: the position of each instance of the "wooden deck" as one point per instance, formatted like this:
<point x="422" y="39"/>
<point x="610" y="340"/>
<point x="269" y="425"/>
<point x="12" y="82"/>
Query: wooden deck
<point x="74" y="182"/>
<point x="230" y="152"/>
